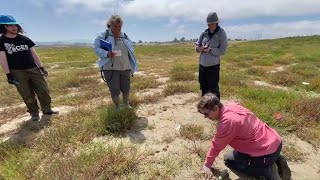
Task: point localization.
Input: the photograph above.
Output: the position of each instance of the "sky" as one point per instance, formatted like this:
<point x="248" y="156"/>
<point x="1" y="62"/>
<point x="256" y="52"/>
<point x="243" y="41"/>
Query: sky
<point x="163" y="20"/>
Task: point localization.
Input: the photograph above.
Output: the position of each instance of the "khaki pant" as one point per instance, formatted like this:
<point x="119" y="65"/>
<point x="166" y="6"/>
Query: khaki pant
<point x="32" y="83"/>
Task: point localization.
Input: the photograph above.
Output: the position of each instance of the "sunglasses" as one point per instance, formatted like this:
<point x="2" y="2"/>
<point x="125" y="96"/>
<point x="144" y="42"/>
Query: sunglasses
<point x="206" y="114"/>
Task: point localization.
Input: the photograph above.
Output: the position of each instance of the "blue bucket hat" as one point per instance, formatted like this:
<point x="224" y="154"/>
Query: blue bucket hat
<point x="7" y="19"/>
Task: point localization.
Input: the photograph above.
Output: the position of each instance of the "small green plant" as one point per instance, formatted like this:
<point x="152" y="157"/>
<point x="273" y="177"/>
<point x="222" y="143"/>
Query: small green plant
<point x="196" y="149"/>
<point x="117" y="121"/>
<point x="192" y="131"/>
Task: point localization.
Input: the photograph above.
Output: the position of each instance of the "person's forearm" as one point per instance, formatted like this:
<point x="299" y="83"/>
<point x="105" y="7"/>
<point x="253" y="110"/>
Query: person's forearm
<point x="37" y="60"/>
<point x="4" y="64"/>
<point x="5" y="68"/>
<point x="36" y="57"/>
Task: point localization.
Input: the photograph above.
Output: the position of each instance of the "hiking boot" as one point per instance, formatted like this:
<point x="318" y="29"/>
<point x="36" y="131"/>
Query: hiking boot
<point x="50" y="112"/>
<point x="283" y="168"/>
<point x="35" y="117"/>
<point x="128" y="106"/>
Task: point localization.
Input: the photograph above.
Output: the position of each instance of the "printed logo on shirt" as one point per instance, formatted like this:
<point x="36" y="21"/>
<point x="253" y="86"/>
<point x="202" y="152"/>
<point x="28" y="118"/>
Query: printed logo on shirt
<point x="11" y="48"/>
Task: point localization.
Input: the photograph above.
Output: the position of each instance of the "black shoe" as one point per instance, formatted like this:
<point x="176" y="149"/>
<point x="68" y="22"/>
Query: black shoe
<point x="35" y="117"/>
<point x="51" y="112"/>
<point x="283" y="168"/>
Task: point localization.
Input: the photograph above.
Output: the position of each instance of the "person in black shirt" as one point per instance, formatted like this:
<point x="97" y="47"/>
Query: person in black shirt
<point x="23" y="67"/>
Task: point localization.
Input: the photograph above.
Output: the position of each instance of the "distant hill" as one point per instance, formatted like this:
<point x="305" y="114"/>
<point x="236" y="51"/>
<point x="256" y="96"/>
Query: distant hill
<point x="73" y="42"/>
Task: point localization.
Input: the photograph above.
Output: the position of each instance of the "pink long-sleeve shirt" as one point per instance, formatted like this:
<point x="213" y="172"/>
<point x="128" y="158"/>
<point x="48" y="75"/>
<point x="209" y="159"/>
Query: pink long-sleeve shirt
<point x="244" y="132"/>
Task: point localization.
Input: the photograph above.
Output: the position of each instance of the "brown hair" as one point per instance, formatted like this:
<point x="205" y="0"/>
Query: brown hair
<point x="3" y="28"/>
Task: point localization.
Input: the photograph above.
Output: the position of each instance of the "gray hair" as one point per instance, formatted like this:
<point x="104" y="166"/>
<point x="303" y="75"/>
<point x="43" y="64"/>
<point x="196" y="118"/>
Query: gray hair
<point x="113" y="20"/>
<point x="208" y="101"/>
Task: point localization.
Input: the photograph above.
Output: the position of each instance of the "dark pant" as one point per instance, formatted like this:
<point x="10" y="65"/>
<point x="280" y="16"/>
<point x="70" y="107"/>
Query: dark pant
<point x="117" y="81"/>
<point x="252" y="166"/>
<point x="32" y="83"/>
<point x="209" y="79"/>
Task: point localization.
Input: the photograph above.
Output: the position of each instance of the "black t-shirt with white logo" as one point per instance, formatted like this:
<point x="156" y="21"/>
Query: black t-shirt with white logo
<point x="18" y="51"/>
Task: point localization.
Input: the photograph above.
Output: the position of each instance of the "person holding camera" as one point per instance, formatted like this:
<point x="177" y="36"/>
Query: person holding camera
<point x="211" y="44"/>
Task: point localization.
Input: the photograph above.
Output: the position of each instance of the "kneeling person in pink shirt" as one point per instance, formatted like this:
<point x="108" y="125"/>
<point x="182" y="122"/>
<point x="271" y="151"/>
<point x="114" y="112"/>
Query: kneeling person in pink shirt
<point x="256" y="146"/>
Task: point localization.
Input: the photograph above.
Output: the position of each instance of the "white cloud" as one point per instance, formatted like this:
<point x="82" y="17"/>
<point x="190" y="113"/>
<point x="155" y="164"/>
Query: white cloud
<point x="227" y="9"/>
<point x="181" y="30"/>
<point x="183" y="11"/>
<point x="72" y="6"/>
<point x="191" y="9"/>
<point x="172" y="22"/>
<point x="99" y="22"/>
<point x="276" y="30"/>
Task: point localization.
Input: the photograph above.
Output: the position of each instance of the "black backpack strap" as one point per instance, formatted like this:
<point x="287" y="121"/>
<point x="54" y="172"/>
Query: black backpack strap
<point x="101" y="69"/>
<point x="102" y="76"/>
<point x="107" y="34"/>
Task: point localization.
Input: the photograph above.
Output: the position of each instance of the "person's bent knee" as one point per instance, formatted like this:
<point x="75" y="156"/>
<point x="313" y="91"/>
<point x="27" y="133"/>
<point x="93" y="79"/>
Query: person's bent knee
<point x="229" y="155"/>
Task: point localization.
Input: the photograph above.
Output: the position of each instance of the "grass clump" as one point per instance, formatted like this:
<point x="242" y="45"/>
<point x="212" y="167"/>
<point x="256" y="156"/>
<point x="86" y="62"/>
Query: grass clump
<point x="192" y="131"/>
<point x="144" y="82"/>
<point x="70" y="79"/>
<point x="265" y="102"/>
<point x="118" y="121"/>
<point x="168" y="139"/>
<point x="8" y="94"/>
<point x="308" y="109"/>
<point x="293" y="153"/>
<point x="152" y="98"/>
<point x="181" y="87"/>
<point x="93" y="161"/>
<point x="165" y="168"/>
<point x="314" y="85"/>
<point x="283" y="78"/>
<point x="21" y="165"/>
<point x="183" y="72"/>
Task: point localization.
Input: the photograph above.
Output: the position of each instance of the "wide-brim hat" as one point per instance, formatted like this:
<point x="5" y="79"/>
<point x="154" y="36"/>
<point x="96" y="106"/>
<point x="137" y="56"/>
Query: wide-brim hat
<point x="7" y="19"/>
<point x="212" y="18"/>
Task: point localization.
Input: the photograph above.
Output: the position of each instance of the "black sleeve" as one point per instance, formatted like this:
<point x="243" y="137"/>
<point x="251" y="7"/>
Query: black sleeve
<point x="29" y="42"/>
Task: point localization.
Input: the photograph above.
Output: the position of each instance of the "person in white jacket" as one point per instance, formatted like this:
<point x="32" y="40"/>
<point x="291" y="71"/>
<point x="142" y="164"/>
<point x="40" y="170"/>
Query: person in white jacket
<point x="119" y="64"/>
